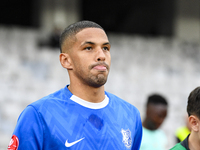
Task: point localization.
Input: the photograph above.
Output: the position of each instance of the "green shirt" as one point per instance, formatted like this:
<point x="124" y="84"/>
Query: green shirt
<point x="182" y="145"/>
<point x="178" y="147"/>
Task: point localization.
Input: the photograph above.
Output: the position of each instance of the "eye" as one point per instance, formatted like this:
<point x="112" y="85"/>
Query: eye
<point x="106" y="48"/>
<point x="88" y="48"/>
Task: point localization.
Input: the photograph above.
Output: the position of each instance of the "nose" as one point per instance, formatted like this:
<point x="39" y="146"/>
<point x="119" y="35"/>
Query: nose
<point x="100" y="55"/>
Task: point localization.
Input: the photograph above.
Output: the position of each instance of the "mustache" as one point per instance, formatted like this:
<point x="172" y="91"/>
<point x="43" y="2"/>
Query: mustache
<point x="99" y="64"/>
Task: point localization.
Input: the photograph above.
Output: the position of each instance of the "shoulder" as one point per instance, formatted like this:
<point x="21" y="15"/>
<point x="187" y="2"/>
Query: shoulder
<point x="161" y="132"/>
<point x="118" y="100"/>
<point x="178" y="147"/>
<point x="53" y="99"/>
<point x="158" y="134"/>
<point x="120" y="103"/>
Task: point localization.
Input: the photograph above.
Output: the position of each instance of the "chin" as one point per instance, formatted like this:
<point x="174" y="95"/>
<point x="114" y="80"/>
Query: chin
<point x="97" y="84"/>
<point x="97" y="81"/>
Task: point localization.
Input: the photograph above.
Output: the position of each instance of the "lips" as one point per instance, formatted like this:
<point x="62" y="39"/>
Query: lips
<point x="100" y="67"/>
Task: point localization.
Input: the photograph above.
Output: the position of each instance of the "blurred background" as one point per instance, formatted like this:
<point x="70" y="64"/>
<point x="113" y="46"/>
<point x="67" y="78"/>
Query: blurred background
<point x="155" y="49"/>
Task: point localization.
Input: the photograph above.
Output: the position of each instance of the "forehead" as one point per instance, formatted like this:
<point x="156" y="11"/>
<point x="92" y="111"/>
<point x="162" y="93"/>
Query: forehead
<point x="88" y="34"/>
<point x="157" y="108"/>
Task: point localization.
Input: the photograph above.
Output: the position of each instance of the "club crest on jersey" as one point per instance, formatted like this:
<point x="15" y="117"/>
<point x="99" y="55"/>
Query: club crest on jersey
<point x="126" y="137"/>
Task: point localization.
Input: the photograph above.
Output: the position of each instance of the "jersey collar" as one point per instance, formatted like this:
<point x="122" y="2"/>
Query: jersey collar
<point x="90" y="105"/>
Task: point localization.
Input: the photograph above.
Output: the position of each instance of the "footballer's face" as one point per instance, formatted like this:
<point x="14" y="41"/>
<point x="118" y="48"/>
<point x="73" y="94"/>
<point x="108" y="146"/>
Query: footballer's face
<point x="156" y="113"/>
<point x="90" y="57"/>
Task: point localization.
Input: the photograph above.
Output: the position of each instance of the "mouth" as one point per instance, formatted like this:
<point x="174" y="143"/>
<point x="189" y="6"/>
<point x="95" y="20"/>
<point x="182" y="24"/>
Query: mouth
<point x="101" y="67"/>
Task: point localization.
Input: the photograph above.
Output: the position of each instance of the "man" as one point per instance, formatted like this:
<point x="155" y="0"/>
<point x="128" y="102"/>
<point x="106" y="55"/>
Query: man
<point x="192" y="141"/>
<point x="156" y="112"/>
<point x="81" y="116"/>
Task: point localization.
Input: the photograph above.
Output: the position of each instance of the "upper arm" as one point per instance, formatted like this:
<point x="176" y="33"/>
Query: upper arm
<point x="29" y="129"/>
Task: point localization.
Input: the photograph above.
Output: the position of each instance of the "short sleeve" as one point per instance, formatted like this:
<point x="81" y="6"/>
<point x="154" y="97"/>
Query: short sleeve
<point x="29" y="130"/>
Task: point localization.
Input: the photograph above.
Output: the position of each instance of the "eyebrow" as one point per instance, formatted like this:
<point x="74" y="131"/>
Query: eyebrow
<point x="92" y="43"/>
<point x="107" y="43"/>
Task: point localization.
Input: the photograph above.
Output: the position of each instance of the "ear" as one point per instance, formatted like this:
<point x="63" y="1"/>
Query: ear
<point x="194" y="123"/>
<point x="65" y="61"/>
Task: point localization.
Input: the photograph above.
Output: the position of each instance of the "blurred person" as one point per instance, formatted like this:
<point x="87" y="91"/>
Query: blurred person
<point x="192" y="141"/>
<point x="156" y="111"/>
<point x="82" y="115"/>
<point x="183" y="131"/>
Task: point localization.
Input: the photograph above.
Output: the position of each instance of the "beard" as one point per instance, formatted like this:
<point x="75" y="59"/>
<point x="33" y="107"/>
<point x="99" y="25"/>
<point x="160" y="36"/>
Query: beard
<point x="97" y="81"/>
<point x="92" y="79"/>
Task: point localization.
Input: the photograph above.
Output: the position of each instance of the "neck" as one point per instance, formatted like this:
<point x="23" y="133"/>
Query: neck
<point x="88" y="93"/>
<point x="148" y="125"/>
<point x="193" y="141"/>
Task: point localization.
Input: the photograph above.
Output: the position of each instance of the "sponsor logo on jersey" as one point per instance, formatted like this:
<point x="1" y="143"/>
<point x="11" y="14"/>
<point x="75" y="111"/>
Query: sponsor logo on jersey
<point x="67" y="144"/>
<point x="126" y="137"/>
<point x="14" y="143"/>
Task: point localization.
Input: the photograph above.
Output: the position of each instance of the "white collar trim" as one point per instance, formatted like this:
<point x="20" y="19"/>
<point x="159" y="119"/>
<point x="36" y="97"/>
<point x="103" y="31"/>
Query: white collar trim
<point x="91" y="105"/>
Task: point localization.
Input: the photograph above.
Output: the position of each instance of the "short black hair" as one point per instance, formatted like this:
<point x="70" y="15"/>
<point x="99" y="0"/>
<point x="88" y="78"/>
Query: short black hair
<point x="193" y="105"/>
<point x="156" y="99"/>
<point x="74" y="28"/>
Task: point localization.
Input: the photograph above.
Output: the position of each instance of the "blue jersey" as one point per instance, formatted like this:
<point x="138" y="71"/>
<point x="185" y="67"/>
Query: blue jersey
<point x="62" y="121"/>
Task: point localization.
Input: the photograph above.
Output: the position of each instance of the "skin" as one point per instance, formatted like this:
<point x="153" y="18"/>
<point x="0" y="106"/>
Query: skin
<point x="155" y="115"/>
<point x="187" y="122"/>
<point x="88" y="62"/>
<point x="194" y="138"/>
